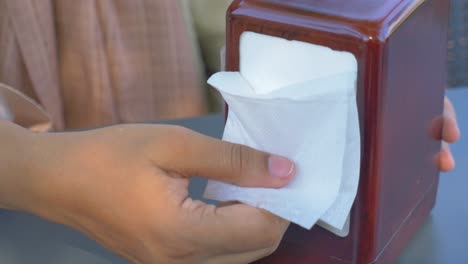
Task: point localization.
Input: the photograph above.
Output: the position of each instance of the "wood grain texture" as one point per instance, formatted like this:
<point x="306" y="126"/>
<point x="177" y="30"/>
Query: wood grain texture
<point x="401" y="51"/>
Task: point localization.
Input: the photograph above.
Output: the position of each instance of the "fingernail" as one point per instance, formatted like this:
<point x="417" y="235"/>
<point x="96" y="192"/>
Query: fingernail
<point x="280" y="167"/>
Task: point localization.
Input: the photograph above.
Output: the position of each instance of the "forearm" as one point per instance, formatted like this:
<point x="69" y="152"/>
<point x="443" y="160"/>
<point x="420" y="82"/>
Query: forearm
<point x="15" y="165"/>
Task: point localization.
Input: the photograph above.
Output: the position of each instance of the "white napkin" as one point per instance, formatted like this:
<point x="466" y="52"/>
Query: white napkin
<point x="297" y="100"/>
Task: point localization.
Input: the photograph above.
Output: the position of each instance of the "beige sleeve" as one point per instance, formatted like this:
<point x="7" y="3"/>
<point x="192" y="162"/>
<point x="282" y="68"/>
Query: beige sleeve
<point x="22" y="110"/>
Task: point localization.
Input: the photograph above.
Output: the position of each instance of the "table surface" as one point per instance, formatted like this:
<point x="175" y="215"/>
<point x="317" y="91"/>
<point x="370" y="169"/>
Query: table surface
<point x="28" y="239"/>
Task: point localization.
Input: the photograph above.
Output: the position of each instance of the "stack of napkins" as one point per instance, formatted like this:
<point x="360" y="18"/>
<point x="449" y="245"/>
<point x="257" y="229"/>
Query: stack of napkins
<point x="297" y="100"/>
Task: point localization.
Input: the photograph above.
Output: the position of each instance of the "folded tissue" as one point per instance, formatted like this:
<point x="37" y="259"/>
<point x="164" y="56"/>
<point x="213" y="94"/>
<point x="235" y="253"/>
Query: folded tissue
<point x="297" y="100"/>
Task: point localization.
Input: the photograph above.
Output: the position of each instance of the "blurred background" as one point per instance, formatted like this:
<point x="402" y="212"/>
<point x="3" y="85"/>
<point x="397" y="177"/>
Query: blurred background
<point x="92" y="63"/>
<point x="209" y="28"/>
<point x="458" y="44"/>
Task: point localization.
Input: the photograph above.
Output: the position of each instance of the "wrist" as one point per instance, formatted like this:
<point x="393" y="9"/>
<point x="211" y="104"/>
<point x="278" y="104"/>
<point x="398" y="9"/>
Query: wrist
<point x="15" y="164"/>
<point x="21" y="166"/>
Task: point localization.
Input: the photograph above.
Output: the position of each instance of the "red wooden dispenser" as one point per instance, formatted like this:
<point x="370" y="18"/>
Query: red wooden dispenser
<point x="401" y="48"/>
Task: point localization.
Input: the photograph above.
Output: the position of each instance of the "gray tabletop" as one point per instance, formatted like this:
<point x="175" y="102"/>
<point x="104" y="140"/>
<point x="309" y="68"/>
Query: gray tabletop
<point x="442" y="239"/>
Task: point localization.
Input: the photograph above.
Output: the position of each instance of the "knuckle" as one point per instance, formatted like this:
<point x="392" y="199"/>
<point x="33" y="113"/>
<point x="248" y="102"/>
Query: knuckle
<point x="270" y="243"/>
<point x="178" y="133"/>
<point x="247" y="164"/>
<point x="176" y="138"/>
<point x="274" y="233"/>
<point x="238" y="158"/>
<point x="274" y="239"/>
<point x="169" y="242"/>
<point x="271" y="250"/>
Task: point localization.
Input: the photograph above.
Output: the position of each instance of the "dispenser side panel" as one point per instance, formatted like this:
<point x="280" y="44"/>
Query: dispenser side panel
<point x="413" y="92"/>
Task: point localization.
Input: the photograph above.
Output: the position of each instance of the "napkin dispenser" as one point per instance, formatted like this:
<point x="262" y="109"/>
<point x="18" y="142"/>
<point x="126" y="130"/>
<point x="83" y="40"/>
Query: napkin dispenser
<point x="401" y="47"/>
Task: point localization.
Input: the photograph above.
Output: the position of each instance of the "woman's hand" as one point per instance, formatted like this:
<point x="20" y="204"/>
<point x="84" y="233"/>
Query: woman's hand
<point x="446" y="129"/>
<point x="127" y="187"/>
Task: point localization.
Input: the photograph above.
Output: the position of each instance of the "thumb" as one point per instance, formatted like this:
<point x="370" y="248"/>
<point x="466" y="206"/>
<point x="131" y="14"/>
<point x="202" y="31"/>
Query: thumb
<point x="232" y="163"/>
